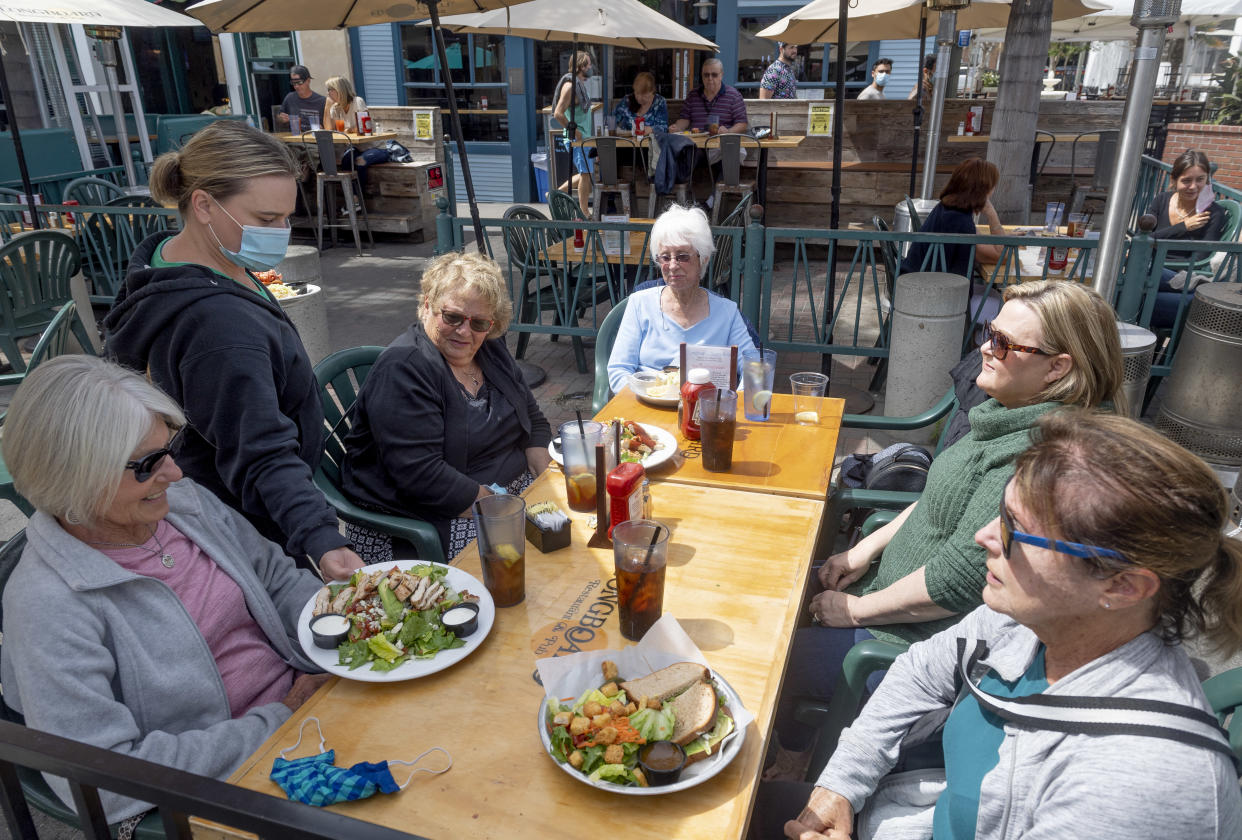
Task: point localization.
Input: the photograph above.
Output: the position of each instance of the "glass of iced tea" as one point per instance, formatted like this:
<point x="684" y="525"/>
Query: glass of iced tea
<point x="718" y="422"/>
<point x="640" y="565"/>
<point x="340" y="126"/>
<point x="578" y="462"/>
<point x="500" y="525"/>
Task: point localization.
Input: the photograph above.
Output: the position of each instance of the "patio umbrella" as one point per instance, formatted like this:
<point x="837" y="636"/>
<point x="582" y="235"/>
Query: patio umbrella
<point x="1113" y="23"/>
<point x="873" y="20"/>
<point x="270" y="15"/>
<point x="620" y="23"/>
<point x="88" y="13"/>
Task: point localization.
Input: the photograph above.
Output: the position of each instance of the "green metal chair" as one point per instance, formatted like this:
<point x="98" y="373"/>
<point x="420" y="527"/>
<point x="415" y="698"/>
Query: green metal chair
<point x="8" y="218"/>
<point x="721" y="273"/>
<point x="564" y="207"/>
<point x="34" y="788"/>
<point x="34" y="284"/>
<point x="340" y="377"/>
<point x="916" y="219"/>
<point x="109" y="239"/>
<point x="604" y="340"/>
<point x="91" y="191"/>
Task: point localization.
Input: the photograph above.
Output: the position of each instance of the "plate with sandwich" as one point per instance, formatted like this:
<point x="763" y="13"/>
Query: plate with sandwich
<point x="598" y="736"/>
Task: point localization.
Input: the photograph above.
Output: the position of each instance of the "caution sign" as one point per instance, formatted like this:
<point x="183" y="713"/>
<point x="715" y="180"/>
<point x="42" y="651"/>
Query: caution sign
<point x="819" y="119"/>
<point x="422" y="125"/>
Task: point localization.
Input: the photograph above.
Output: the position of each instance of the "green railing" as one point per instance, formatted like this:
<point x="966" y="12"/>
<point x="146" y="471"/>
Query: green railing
<point x="52" y="187"/>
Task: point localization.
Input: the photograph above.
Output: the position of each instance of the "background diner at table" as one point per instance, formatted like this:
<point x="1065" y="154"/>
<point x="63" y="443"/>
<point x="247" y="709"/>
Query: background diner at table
<point x="1052" y="344"/>
<point x="145" y="616"/>
<point x="192" y="315"/>
<point x="444" y="417"/>
<point x="1108" y="550"/>
<point x="967" y="194"/>
<point x="643" y="102"/>
<point x="657" y="321"/>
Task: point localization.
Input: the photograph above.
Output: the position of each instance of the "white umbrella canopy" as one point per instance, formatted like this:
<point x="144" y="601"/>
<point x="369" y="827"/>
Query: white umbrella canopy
<point x="875" y="20"/>
<point x="620" y="23"/>
<point x="269" y="15"/>
<point x="97" y="12"/>
<point x="1113" y="23"/>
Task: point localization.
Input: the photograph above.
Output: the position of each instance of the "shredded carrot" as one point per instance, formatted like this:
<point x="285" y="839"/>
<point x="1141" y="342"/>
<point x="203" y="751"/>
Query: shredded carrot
<point x="626" y="734"/>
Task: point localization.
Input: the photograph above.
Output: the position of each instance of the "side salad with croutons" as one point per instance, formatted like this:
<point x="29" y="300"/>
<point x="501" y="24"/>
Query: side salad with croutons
<point x="599" y="734"/>
<point x="394" y="615"/>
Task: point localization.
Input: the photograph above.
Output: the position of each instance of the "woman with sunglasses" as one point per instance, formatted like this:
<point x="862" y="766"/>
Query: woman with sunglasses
<point x="194" y="316"/>
<point x="1108" y="549"/>
<point x="145" y="615"/>
<point x="444" y="417"/>
<point x="658" y="320"/>
<point x="1052" y="344"/>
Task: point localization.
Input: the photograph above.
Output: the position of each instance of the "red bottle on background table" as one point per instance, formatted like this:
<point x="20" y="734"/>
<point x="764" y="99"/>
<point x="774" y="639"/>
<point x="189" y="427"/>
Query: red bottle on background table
<point x="698" y="380"/>
<point x="639" y="125"/>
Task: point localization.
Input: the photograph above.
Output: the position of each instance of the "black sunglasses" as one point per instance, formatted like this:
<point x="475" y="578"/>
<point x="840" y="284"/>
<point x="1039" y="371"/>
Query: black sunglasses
<point x="146" y="466"/>
<point x="1001" y="345"/>
<point x="296" y="82"/>
<point x="455" y="319"/>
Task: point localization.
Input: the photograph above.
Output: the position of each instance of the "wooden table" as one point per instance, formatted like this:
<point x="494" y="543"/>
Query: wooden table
<point x="777" y="456"/>
<point x="1031" y="259"/>
<point x="337" y="138"/>
<point x="593" y="248"/>
<point x="738" y="564"/>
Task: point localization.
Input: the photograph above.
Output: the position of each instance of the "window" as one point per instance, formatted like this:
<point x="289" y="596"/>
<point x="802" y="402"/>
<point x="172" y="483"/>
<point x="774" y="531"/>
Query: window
<point x="815" y="66"/>
<point x="477" y="67"/>
<point x="628" y="63"/>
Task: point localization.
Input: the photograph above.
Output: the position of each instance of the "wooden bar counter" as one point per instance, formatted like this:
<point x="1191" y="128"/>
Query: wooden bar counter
<point x="738" y="564"/>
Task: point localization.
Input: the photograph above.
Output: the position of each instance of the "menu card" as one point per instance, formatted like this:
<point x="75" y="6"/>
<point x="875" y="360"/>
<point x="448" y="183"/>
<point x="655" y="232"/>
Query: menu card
<point x="721" y="363"/>
<point x="616" y="242"/>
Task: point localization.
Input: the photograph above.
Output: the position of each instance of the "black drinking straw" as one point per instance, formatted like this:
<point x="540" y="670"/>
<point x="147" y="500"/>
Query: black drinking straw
<point x="655" y="535"/>
<point x="484" y="539"/>
<point x="581" y="430"/>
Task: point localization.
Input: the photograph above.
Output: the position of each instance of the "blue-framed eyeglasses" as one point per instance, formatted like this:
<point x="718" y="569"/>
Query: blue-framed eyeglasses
<point x="1010" y="535"/>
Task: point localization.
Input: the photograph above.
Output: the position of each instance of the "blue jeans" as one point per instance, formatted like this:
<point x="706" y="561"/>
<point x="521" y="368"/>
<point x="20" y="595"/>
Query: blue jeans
<point x="365" y="158"/>
<point x="813" y="670"/>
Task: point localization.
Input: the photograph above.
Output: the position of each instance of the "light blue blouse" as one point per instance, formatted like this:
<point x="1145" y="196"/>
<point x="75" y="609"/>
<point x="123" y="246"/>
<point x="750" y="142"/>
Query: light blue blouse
<point x="650" y="339"/>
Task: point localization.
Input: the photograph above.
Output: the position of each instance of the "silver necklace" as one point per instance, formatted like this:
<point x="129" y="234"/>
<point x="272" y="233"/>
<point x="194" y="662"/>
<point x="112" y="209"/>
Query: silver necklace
<point x="472" y="377"/>
<point x="167" y="559"/>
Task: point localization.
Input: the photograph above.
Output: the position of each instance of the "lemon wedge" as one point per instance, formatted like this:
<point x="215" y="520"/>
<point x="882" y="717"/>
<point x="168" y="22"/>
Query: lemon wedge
<point x="810" y="418"/>
<point x="508" y="553"/>
<point x="759" y="402"/>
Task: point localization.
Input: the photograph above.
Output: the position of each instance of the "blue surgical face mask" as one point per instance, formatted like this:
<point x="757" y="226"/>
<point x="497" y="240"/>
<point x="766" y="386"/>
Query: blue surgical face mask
<point x="316" y="780"/>
<point x="881" y="79"/>
<point x="262" y="248"/>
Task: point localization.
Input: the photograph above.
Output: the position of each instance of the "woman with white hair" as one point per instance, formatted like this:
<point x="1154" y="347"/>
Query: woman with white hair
<point x="657" y="321"/>
<point x="145" y="616"/>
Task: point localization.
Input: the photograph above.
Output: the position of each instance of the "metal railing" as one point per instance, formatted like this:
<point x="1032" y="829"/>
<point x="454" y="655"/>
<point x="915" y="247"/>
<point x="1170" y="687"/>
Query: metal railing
<point x="52" y="187"/>
<point x="178" y="794"/>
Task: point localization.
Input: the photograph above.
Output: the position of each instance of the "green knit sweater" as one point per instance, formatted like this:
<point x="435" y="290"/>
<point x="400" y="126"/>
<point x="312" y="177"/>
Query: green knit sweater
<point x="963" y="492"/>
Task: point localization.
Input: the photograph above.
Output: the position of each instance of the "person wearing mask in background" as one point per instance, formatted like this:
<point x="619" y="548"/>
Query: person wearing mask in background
<point x="573" y="89"/>
<point x="778" y="80"/>
<point x="301" y="101"/>
<point x="927" y="80"/>
<point x="880" y="72"/>
<point x="193" y="316"/>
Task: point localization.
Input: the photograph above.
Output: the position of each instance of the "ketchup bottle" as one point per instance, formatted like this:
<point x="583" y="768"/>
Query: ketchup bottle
<point x="625" y="493"/>
<point x="698" y="380"/>
<point x="639" y="124"/>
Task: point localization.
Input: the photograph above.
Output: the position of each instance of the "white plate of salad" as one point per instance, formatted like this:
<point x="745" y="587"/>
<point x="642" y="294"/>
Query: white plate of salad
<point x="641" y="443"/>
<point x="620" y="778"/>
<point x="426" y="646"/>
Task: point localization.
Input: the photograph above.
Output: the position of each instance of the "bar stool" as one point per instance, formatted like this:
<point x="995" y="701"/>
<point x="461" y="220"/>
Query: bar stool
<point x="330" y="174"/>
<point x="730" y="182"/>
<point x="681" y="190"/>
<point x="605" y="178"/>
<point x="1102" y="176"/>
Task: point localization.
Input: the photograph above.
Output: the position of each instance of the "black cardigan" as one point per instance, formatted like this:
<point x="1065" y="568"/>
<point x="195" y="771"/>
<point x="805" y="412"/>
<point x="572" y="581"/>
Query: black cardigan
<point x="408" y="448"/>
<point x="1211" y="232"/>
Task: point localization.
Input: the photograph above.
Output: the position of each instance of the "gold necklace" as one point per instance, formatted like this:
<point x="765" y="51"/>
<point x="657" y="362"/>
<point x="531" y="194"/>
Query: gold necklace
<point x="167" y="559"/>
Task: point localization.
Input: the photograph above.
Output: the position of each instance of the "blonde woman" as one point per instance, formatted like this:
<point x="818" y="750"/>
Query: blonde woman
<point x="1052" y="344"/>
<point x="192" y="315"/>
<point x="343" y="104"/>
<point x="445" y="416"/>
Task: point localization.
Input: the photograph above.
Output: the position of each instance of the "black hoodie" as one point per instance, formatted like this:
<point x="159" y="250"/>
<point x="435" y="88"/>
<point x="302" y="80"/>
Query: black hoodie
<point x="236" y="366"/>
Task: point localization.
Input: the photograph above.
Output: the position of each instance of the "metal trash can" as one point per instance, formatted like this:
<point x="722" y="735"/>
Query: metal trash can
<point x="1203" y="407"/>
<point x="1138" y="347"/>
<point x="1235" y="510"/>
<point x="901" y="218"/>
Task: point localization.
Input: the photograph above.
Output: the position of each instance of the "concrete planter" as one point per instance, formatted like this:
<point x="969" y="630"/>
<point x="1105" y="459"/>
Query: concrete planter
<point x="309" y="313"/>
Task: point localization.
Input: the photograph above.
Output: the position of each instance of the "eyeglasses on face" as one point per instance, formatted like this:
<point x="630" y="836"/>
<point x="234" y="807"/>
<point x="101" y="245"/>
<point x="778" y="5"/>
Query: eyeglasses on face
<point x="148" y="464"/>
<point x="1001" y="345"/>
<point x="681" y="257"/>
<point x="296" y="82"/>
<point x="455" y="319"/>
<point x="1010" y="535"/>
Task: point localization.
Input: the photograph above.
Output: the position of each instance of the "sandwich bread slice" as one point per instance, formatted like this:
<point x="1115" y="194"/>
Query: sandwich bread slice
<point x="666" y="682"/>
<point x="694" y="712"/>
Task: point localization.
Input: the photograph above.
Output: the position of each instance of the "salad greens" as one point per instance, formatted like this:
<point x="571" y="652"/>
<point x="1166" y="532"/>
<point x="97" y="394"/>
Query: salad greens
<point x="651" y="724"/>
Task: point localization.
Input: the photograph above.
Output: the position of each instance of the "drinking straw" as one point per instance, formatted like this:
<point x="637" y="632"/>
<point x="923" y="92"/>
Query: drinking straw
<point x="581" y="430"/>
<point x="484" y="539"/>
<point x="616" y="439"/>
<point x="655" y="535"/>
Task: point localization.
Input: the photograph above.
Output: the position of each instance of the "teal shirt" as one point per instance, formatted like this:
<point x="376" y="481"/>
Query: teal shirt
<point x="972" y="741"/>
<point x="158" y="261"/>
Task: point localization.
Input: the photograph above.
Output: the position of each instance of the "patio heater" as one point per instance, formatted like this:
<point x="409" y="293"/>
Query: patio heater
<point x="106" y="38"/>
<point x="946" y="36"/>
<point x="1202" y="411"/>
<point x="1151" y="18"/>
<point x="1138" y="348"/>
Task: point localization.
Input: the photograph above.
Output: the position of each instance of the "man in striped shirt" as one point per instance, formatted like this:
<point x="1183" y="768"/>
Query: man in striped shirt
<point x="715" y="103"/>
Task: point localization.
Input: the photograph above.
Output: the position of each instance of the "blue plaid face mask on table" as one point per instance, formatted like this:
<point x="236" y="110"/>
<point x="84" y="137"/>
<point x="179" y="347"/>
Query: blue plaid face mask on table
<point x="316" y="780"/>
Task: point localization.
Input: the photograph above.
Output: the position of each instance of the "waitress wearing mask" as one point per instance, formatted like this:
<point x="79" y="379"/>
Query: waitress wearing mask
<point x="880" y="71"/>
<point x="193" y="317"/>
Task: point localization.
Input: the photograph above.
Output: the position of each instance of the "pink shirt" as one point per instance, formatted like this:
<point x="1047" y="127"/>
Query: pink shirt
<point x="252" y="670"/>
